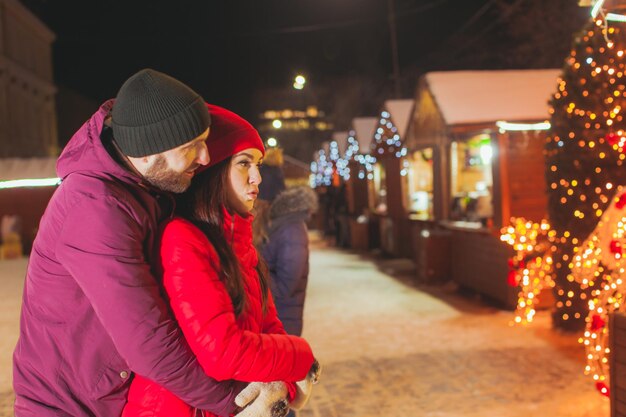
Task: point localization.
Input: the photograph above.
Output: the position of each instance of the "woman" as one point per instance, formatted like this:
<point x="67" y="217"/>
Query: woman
<point x="286" y="251"/>
<point x="217" y="288"/>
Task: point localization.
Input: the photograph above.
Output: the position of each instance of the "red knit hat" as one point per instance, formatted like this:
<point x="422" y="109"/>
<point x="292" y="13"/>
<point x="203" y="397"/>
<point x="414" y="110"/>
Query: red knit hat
<point x="230" y="134"/>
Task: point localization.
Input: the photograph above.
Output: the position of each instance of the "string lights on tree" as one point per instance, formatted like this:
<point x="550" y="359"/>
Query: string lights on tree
<point x="599" y="267"/>
<point x="583" y="160"/>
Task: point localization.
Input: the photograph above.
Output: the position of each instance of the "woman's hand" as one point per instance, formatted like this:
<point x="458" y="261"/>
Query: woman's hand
<point x="263" y="399"/>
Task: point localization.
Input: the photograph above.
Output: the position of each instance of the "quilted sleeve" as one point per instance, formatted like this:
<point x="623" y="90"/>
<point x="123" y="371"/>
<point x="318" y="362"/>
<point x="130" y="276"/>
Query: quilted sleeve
<point x="205" y="313"/>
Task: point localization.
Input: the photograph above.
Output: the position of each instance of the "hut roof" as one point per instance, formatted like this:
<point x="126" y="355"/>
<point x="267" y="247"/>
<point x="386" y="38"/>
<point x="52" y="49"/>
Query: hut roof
<point x="465" y="97"/>
<point x="400" y="111"/>
<point x="27" y="168"/>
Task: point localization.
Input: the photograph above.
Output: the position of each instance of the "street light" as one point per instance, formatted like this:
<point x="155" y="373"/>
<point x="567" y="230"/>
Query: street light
<point x="277" y="124"/>
<point x="299" y="82"/>
<point x="272" y="142"/>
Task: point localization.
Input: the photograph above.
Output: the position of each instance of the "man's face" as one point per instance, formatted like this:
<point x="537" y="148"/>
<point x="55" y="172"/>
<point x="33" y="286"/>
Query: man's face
<point x="173" y="170"/>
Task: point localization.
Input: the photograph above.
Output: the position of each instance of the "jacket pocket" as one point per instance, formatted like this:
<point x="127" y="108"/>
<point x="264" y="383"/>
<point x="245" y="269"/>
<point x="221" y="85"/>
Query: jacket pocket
<point x="112" y="378"/>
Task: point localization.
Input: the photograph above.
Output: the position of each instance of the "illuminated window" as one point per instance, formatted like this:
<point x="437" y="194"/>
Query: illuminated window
<point x="417" y="168"/>
<point x="379" y="189"/>
<point x="471" y="180"/>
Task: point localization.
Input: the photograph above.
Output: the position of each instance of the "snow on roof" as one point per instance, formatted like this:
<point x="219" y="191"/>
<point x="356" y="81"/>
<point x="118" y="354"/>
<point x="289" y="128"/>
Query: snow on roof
<point x="27" y="168"/>
<point x="342" y="141"/>
<point x="488" y="96"/>
<point x="400" y="111"/>
<point x="364" y="130"/>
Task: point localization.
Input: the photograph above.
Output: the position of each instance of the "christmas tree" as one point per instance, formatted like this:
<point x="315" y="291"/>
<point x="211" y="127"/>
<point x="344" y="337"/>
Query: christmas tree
<point x="584" y="158"/>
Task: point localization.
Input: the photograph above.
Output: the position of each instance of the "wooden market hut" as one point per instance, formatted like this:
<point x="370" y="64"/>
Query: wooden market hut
<point x="23" y="195"/>
<point x="363" y="229"/>
<point x="337" y="196"/>
<point x="484" y="133"/>
<point x="386" y="197"/>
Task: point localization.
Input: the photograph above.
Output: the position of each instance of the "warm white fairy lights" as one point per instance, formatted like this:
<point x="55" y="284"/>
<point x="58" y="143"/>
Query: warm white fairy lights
<point x="531" y="266"/>
<point x="585" y="154"/>
<point x="598" y="265"/>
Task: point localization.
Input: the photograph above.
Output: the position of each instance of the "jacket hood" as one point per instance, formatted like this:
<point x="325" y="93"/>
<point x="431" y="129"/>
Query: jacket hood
<point x="86" y="154"/>
<point x="294" y="200"/>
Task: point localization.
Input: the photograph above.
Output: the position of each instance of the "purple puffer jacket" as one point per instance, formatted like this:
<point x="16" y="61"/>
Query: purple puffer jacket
<point x="92" y="311"/>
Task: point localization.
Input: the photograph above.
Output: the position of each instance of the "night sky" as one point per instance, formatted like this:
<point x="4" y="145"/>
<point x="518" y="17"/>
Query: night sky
<point x="227" y="50"/>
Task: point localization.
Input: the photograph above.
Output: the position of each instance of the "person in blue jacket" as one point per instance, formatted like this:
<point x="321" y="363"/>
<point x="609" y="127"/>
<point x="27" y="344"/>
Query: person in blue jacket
<point x="286" y="252"/>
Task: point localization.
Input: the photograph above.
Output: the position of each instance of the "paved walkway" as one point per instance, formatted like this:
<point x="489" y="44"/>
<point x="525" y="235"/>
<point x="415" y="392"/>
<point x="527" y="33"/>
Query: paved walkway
<point x="391" y="348"/>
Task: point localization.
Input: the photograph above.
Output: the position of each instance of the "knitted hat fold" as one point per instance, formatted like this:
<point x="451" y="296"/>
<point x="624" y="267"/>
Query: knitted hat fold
<point x="154" y="113"/>
<point x="230" y="134"/>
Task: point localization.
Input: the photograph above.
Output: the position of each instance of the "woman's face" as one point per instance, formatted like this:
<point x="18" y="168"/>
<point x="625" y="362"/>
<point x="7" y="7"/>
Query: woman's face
<point x="244" y="179"/>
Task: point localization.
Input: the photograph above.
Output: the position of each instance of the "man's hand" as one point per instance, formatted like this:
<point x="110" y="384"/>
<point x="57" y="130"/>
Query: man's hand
<point x="263" y="400"/>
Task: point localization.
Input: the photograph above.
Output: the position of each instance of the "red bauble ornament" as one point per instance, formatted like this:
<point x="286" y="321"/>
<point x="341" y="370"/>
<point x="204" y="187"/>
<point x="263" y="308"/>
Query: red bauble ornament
<point x="615" y="247"/>
<point x="612" y="138"/>
<point x="603" y="388"/>
<point x="597" y="322"/>
<point x="621" y="203"/>
<point x="512" y="279"/>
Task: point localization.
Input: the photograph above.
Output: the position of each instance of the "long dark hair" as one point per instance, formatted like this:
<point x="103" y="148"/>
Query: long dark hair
<point x="202" y="204"/>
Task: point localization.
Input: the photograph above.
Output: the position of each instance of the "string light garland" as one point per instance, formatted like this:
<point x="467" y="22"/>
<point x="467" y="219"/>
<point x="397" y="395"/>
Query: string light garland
<point x="387" y="140"/>
<point x="365" y="162"/>
<point x="322" y="170"/>
<point x="531" y="266"/>
<point x="599" y="265"/>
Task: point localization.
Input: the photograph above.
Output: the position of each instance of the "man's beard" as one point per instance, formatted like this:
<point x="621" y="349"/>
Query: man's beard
<point x="163" y="177"/>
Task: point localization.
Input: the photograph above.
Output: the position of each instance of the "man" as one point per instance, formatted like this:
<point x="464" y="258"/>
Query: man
<point x="92" y="310"/>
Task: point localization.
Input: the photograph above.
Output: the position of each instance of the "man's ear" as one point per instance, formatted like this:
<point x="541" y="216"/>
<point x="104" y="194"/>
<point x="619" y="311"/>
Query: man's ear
<point x="142" y="163"/>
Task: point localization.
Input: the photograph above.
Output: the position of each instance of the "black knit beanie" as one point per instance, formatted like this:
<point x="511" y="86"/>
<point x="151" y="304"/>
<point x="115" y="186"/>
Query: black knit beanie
<point x="154" y="112"/>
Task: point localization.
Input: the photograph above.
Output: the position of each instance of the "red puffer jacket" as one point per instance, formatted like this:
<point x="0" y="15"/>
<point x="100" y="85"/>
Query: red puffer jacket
<point x="252" y="347"/>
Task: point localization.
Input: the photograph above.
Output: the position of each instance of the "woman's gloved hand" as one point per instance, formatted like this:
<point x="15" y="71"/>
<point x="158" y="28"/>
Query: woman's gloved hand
<point x="305" y="387"/>
<point x="263" y="399"/>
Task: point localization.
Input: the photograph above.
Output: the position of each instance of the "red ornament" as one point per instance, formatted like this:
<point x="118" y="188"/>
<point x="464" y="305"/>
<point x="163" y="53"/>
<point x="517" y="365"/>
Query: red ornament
<point x="597" y="322"/>
<point x="512" y="279"/>
<point x="615" y="247"/>
<point x="521" y="265"/>
<point x="612" y="138"/>
<point x="603" y="388"/>
<point x="621" y="203"/>
<point x="511" y="262"/>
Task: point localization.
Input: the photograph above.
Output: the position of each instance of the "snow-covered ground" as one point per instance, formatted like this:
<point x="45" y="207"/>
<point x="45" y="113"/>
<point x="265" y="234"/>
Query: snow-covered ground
<point x="392" y="348"/>
<point x="11" y="283"/>
<point x="12" y="274"/>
